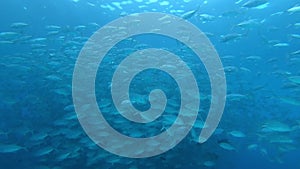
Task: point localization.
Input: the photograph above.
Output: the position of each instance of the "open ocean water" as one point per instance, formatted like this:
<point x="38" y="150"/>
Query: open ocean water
<point x="257" y="41"/>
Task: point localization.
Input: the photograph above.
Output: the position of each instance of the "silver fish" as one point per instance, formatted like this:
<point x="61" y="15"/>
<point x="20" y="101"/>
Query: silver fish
<point x="254" y="3"/>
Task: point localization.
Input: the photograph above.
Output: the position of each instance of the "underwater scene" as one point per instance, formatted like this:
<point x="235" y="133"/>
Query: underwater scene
<point x="150" y="84"/>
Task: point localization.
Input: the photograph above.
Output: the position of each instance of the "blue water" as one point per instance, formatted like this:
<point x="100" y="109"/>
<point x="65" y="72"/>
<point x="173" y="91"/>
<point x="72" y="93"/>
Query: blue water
<point x="261" y="68"/>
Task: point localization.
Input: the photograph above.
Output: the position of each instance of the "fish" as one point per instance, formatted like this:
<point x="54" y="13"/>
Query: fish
<point x="8" y="35"/>
<point x="123" y="14"/>
<point x="277" y="13"/>
<point x="19" y="25"/>
<point x="253" y="58"/>
<point x="228" y="57"/>
<point x="281" y="45"/>
<point x="294" y="9"/>
<point x="263" y="6"/>
<point x="230" y="37"/>
<point x="164" y="3"/>
<point x="90" y="4"/>
<point x="249" y="23"/>
<point x="254" y="3"/>
<point x="190" y="14"/>
<point x="53" y="27"/>
<point x="230" y="69"/>
<point x="53" y="77"/>
<point x="39" y="136"/>
<point x="206" y="17"/>
<point x="10" y="148"/>
<point x="80" y="28"/>
<point x="276" y="126"/>
<point x="209" y="163"/>
<point x="209" y="34"/>
<point x="252" y="147"/>
<point x="295" y="52"/>
<point x="69" y="108"/>
<point x="43" y="151"/>
<point x="286" y="147"/>
<point x="226" y="146"/>
<point x="70" y="116"/>
<point x="294" y="79"/>
<point x="200" y="124"/>
<point x="38" y="40"/>
<point x="238" y="134"/>
<point x="239" y="1"/>
<point x="296" y="36"/>
<point x="50" y="33"/>
<point x="235" y="96"/>
<point x="281" y="139"/>
<point x="63" y="156"/>
<point x="290" y="100"/>
<point x="6" y="42"/>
